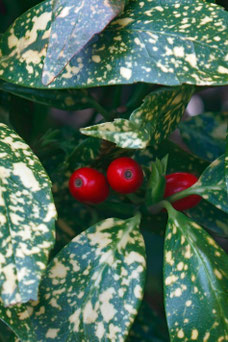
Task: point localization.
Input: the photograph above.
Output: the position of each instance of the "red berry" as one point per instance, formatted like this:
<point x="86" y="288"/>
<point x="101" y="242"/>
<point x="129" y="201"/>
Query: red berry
<point x="179" y="181"/>
<point x="124" y="175"/>
<point x="88" y="185"/>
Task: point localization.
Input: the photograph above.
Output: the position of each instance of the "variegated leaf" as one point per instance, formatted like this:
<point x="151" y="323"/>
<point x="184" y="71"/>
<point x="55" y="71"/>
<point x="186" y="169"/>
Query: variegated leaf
<point x="205" y="135"/>
<point x="154" y="120"/>
<point x="179" y="160"/>
<point x="27" y="215"/>
<point x="210" y="218"/>
<point x="122" y="132"/>
<point x="92" y="289"/>
<point x="211" y="184"/>
<point x="73" y="25"/>
<point x="195" y="282"/>
<point x="173" y="43"/>
<point x="17" y="318"/>
<point x="68" y="99"/>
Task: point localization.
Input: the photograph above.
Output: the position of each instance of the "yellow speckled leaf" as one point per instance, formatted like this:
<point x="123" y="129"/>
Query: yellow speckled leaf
<point x="154" y="120"/>
<point x="195" y="282"/>
<point x="74" y="23"/>
<point x="92" y="289"/>
<point x="27" y="215"/>
<point x="170" y="43"/>
<point x="211" y="184"/>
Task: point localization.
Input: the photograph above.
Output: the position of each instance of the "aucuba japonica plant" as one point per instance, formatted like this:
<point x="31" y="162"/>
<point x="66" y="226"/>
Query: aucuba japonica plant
<point x="110" y="230"/>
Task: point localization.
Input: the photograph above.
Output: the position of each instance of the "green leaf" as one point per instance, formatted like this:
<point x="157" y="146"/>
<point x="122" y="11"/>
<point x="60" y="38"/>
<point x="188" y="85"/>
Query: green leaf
<point x="179" y="160"/>
<point x="195" y="282"/>
<point x="211" y="184"/>
<point x="210" y="218"/>
<point x="122" y="132"/>
<point x="73" y="25"/>
<point x="63" y="99"/>
<point x="156" y="184"/>
<point x="6" y="335"/>
<point x="171" y="44"/>
<point x="205" y="135"/>
<point x="154" y="120"/>
<point x="27" y="215"/>
<point x="81" y="294"/>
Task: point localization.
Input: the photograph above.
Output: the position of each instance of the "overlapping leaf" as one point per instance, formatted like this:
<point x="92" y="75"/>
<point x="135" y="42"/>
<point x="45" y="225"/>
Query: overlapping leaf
<point x="172" y="43"/>
<point x="73" y="26"/>
<point x="179" y="160"/>
<point x="210" y="218"/>
<point x="92" y="289"/>
<point x="63" y="99"/>
<point x="124" y="133"/>
<point x="211" y="184"/>
<point x="205" y="135"/>
<point x="195" y="282"/>
<point x="27" y="215"/>
<point x="154" y="120"/>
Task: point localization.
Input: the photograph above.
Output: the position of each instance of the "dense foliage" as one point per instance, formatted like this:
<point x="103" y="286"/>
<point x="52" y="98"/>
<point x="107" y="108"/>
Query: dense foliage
<point x="83" y="84"/>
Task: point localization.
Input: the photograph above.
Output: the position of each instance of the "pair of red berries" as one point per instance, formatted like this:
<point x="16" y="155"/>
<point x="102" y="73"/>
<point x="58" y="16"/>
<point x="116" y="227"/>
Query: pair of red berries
<point x="90" y="186"/>
<point x="125" y="176"/>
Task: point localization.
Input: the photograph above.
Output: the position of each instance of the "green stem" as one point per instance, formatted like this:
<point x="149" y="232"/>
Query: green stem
<point x="182" y="194"/>
<point x="193" y="190"/>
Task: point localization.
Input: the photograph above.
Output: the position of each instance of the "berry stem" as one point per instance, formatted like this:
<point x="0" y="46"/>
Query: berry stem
<point x="196" y="189"/>
<point x="184" y="193"/>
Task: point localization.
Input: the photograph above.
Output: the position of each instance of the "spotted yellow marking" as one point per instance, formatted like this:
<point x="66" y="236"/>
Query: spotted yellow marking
<point x="72" y="28"/>
<point x="154" y="120"/>
<point x="27" y="216"/>
<point x="195" y="282"/>
<point x="213" y="182"/>
<point x="150" y="43"/>
<point x="81" y="282"/>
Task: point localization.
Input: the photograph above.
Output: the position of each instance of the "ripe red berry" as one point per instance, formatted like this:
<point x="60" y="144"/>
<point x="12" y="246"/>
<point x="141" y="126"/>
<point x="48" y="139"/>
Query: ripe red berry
<point x="179" y="181"/>
<point x="88" y="185"/>
<point x="124" y="175"/>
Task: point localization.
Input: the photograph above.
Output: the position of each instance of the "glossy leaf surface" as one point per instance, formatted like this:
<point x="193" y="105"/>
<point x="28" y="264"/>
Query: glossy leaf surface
<point x="210" y="218"/>
<point x="170" y="44"/>
<point x="195" y="282"/>
<point x="73" y="25"/>
<point x="84" y="286"/>
<point x="205" y="135"/>
<point x="154" y="120"/>
<point x="63" y="99"/>
<point x="179" y="160"/>
<point x="212" y="183"/>
<point x="27" y="215"/>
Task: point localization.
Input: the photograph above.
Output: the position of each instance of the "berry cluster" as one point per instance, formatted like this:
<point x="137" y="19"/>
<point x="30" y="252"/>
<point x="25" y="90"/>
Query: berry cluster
<point x="125" y="176"/>
<point x="90" y="186"/>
